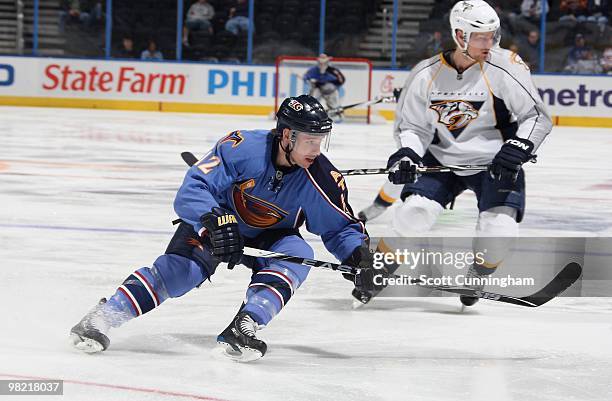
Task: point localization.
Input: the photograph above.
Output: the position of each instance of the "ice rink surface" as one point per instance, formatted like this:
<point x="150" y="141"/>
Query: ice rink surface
<point x="86" y="198"/>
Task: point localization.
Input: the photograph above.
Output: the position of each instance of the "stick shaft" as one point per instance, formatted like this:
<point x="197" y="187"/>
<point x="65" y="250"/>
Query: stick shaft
<point x="420" y="170"/>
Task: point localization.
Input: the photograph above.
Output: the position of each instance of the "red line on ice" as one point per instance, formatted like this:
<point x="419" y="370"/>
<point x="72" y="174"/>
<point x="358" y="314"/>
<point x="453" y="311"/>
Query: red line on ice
<point x="119" y="387"/>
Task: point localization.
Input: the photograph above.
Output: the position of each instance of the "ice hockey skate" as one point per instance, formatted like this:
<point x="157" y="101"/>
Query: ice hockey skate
<point x="89" y="334"/>
<point x="238" y="341"/>
<point x="371" y="212"/>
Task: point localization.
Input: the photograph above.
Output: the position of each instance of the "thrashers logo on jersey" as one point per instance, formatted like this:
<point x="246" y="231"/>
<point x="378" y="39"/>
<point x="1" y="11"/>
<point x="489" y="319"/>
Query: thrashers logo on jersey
<point x="235" y="138"/>
<point x="456" y="115"/>
<point x="254" y="211"/>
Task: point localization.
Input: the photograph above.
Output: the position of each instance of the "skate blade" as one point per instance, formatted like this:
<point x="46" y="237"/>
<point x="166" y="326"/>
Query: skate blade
<point x="244" y="355"/>
<point x="86" y="345"/>
<point x="357" y="304"/>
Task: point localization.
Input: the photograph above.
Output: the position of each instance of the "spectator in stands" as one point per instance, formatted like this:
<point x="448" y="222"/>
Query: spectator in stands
<point x="598" y="11"/>
<point x="530" y="50"/>
<point x="506" y="22"/>
<point x="580" y="59"/>
<point x="238" y="18"/>
<point x="151" y="53"/>
<point x="70" y="11"/>
<point x="528" y="19"/>
<point x="127" y="48"/>
<point x="94" y="11"/>
<point x="606" y="61"/>
<point x="199" y="18"/>
<point x="531" y="10"/>
<point x="580" y="51"/>
<point x="573" y="10"/>
<point x="435" y="44"/>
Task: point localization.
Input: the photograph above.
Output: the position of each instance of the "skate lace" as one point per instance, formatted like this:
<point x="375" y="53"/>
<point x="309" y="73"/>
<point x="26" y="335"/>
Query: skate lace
<point x="473" y="275"/>
<point x="96" y="319"/>
<point x="248" y="326"/>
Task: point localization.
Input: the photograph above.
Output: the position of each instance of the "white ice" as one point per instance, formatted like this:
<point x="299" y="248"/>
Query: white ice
<point x="86" y="198"/>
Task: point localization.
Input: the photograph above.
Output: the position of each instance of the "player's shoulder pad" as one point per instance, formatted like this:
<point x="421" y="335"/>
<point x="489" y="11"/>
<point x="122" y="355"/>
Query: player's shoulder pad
<point x="330" y="183"/>
<point x="243" y="141"/>
<point x="244" y="146"/>
<point x="424" y="70"/>
<point x="509" y="62"/>
<point x="427" y="65"/>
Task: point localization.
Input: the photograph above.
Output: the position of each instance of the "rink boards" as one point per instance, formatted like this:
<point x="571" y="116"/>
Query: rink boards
<point x="236" y="89"/>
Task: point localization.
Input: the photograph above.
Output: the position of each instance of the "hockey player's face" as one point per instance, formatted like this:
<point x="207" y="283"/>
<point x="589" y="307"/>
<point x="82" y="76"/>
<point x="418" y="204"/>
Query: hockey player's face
<point x="306" y="149"/>
<point x="480" y="44"/>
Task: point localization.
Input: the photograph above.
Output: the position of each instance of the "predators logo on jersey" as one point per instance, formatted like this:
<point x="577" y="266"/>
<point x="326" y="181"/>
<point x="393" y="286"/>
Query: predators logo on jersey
<point x="456" y="114"/>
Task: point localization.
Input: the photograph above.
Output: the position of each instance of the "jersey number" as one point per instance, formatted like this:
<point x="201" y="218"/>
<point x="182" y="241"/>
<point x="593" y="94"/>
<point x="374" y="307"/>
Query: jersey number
<point x="209" y="164"/>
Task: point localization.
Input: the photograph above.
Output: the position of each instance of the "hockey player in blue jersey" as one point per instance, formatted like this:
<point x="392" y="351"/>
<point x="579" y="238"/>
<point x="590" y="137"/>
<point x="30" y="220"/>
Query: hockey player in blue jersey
<point x="255" y="188"/>
<point x="324" y="81"/>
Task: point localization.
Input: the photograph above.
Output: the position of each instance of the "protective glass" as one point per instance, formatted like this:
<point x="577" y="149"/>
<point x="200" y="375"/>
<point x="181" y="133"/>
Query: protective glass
<point x="307" y="143"/>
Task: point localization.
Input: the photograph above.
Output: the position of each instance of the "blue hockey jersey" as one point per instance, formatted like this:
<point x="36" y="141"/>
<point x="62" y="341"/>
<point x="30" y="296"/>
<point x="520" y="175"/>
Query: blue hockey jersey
<point x="239" y="174"/>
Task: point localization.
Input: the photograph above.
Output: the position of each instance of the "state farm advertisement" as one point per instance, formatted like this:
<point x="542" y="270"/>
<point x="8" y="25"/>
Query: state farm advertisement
<point x="100" y="79"/>
<point x="65" y="77"/>
<point x="135" y="80"/>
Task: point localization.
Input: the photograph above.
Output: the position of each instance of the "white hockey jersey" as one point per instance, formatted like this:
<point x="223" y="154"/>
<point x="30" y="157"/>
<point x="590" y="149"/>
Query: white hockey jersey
<point x="465" y="118"/>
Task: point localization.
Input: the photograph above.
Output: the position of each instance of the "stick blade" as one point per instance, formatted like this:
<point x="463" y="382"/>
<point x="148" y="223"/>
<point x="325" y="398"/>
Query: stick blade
<point x="562" y="281"/>
<point x="189" y="158"/>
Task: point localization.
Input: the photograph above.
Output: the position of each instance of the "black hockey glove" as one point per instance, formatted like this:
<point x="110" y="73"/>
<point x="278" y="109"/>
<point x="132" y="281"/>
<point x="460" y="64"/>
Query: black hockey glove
<point x="397" y="92"/>
<point x="508" y="161"/>
<point x="364" y="279"/>
<point x="403" y="164"/>
<point x="226" y="242"/>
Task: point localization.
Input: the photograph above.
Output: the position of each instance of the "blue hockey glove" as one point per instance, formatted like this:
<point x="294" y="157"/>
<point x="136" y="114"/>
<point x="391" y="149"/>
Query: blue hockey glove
<point x="508" y="161"/>
<point x="403" y="164"/>
<point x="226" y="242"/>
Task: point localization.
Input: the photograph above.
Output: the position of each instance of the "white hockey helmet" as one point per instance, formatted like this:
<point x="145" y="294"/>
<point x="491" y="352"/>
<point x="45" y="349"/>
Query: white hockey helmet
<point x="474" y="16"/>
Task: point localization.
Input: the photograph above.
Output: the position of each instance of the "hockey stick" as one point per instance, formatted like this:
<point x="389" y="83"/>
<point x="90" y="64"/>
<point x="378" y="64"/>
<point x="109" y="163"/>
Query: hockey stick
<point x="420" y="170"/>
<point x="372" y="102"/>
<point x="190" y="160"/>
<point x="260" y="253"/>
<point x="561" y="282"/>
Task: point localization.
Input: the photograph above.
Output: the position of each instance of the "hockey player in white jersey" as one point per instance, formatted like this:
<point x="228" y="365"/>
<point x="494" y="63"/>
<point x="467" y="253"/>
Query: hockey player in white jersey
<point x="473" y="105"/>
